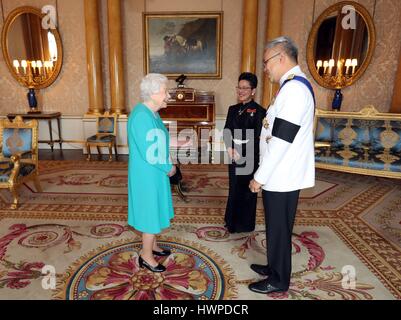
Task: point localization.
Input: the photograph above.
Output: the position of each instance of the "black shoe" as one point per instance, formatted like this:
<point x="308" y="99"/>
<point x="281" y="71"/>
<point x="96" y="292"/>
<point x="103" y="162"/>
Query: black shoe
<point x="158" y="268"/>
<point x="264" y="287"/>
<point x="233" y="230"/>
<point x="261" y="269"/>
<point x="230" y="230"/>
<point x="163" y="253"/>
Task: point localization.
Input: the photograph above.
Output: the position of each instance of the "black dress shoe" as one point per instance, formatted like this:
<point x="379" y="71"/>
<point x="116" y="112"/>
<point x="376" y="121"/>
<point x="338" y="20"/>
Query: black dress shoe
<point x="229" y="229"/>
<point x="236" y="230"/>
<point x="261" y="269"/>
<point x="264" y="287"/>
<point x="163" y="253"/>
<point x="158" y="268"/>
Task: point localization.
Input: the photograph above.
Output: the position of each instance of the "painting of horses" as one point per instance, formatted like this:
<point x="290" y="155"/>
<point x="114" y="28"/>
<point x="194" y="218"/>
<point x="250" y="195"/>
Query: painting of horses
<point x="183" y="43"/>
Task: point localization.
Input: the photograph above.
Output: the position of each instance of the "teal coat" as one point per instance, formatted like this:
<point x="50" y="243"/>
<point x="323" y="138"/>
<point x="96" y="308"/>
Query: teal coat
<point x="150" y="205"/>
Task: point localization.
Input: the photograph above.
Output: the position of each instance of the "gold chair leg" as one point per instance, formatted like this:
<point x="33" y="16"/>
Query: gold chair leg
<point x="115" y="150"/>
<point x="14" y="191"/>
<point x="180" y="193"/>
<point x="99" y="152"/>
<point x="88" y="149"/>
<point x="37" y="184"/>
<point x="110" y="152"/>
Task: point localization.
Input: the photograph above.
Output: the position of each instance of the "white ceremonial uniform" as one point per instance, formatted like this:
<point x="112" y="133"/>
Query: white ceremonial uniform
<point x="286" y="166"/>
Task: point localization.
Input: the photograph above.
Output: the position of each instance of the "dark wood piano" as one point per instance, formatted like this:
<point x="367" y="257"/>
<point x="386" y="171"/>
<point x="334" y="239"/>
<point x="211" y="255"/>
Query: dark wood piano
<point x="193" y="110"/>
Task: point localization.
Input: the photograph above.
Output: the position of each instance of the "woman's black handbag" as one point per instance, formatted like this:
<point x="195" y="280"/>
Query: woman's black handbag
<point x="177" y="177"/>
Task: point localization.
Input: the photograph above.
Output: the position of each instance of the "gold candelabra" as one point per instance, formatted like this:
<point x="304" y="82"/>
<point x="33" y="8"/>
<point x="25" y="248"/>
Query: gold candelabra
<point x="346" y="68"/>
<point x="33" y="73"/>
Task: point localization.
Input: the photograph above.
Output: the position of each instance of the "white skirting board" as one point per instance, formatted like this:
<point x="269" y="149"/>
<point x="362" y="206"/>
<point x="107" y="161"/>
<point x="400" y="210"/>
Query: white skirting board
<point x="76" y="129"/>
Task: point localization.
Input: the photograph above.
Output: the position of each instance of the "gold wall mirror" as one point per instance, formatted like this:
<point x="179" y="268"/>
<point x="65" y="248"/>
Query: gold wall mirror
<point x="340" y="45"/>
<point x="32" y="51"/>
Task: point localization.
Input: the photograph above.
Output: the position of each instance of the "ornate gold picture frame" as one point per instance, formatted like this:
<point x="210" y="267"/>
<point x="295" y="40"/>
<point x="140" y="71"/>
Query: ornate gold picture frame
<point x="187" y="43"/>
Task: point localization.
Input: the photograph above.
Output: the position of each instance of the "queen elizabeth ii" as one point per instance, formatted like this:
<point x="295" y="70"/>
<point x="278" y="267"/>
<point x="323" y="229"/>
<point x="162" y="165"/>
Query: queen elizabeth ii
<point x="150" y="206"/>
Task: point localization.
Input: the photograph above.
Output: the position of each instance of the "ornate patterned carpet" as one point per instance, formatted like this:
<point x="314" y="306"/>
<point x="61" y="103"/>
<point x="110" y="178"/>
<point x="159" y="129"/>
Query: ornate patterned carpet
<point x="347" y="228"/>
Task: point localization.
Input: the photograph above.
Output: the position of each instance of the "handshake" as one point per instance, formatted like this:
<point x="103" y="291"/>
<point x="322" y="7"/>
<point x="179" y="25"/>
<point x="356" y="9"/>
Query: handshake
<point x="254" y="186"/>
<point x="172" y="171"/>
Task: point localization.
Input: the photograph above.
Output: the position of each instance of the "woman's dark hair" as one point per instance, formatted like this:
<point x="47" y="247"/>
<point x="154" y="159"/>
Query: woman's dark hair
<point x="250" y="77"/>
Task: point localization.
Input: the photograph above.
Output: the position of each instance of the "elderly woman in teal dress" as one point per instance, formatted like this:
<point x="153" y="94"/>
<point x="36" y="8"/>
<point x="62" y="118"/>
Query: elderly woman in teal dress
<point x="150" y="206"/>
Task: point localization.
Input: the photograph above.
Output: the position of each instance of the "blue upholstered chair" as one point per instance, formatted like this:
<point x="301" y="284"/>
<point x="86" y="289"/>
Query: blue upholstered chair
<point x="366" y="142"/>
<point x="106" y="135"/>
<point x="18" y="155"/>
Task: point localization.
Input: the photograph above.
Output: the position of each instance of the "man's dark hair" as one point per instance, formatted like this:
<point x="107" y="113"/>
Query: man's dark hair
<point x="250" y="77"/>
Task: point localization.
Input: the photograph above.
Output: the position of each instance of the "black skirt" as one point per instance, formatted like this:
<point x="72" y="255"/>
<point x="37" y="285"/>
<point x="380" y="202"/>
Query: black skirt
<point x="241" y="203"/>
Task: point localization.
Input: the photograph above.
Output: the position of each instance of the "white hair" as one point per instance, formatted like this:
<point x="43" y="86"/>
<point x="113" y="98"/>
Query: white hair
<point x="287" y="45"/>
<point x="151" y="84"/>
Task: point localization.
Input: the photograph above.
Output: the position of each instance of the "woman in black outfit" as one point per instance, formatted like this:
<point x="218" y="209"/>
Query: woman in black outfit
<point x="243" y="150"/>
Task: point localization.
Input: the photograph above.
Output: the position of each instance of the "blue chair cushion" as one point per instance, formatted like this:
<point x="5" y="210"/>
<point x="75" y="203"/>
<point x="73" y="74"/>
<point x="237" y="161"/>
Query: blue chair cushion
<point x="388" y="161"/>
<point x="97" y="138"/>
<point x="355" y="136"/>
<point x="338" y="155"/>
<point x="386" y="137"/>
<point x="324" y="130"/>
<point x="16" y="140"/>
<point x="358" y="158"/>
<point x="5" y="172"/>
<point x="26" y="169"/>
<point x="326" y="155"/>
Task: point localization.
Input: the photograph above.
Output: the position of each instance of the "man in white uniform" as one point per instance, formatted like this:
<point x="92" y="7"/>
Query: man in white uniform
<point x="287" y="162"/>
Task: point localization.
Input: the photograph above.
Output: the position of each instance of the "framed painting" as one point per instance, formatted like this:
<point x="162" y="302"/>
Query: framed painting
<point x="188" y="43"/>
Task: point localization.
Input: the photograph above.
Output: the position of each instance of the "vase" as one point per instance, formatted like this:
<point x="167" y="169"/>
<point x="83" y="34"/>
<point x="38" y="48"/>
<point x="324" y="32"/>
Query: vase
<point x="337" y="100"/>
<point x="33" y="103"/>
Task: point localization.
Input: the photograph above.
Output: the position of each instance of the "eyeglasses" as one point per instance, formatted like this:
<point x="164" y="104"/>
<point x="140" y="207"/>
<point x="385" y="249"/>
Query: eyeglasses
<point x="267" y="60"/>
<point x="243" y="88"/>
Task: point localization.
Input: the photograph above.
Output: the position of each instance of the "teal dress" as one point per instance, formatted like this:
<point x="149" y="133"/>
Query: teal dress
<point x="150" y="205"/>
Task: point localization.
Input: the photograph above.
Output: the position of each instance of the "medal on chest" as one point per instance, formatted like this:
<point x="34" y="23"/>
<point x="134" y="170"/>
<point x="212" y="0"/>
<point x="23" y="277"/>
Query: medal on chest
<point x="265" y="123"/>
